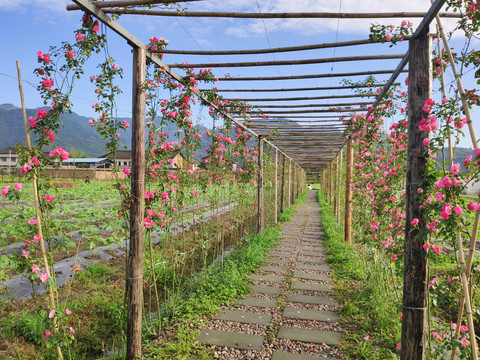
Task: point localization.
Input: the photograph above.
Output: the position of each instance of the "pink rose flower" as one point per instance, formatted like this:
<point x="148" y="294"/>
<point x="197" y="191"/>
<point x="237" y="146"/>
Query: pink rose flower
<point x="79" y="37"/>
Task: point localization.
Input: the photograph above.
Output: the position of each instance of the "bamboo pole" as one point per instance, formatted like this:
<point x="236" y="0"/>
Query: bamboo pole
<point x="260" y="208"/>
<point x="301" y="98"/>
<point x="289" y="182"/>
<point x="415" y="263"/>
<point x="332" y="110"/>
<point x="348" y="192"/>
<point x="334" y="187"/>
<point x="339" y="185"/>
<point x="137" y="210"/>
<point x="288" y="62"/>
<point x="38" y="217"/>
<point x="291" y="15"/>
<point x="266" y="106"/>
<point x="294" y="173"/>
<point x="123" y="3"/>
<point x="465" y="267"/>
<point x="309" y="76"/>
<point x="276" y="188"/>
<point x="304" y="88"/>
<point x="282" y="195"/>
<point x="273" y="50"/>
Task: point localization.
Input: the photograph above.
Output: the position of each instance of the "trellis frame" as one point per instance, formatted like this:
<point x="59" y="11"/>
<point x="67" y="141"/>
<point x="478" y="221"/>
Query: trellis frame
<point x="293" y="153"/>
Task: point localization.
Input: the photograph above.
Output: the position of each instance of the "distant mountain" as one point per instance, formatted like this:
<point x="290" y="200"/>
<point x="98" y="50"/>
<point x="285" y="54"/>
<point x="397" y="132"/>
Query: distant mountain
<point x="76" y="133"/>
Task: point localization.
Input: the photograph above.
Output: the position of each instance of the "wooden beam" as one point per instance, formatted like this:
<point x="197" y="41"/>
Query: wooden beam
<point x="415" y="291"/>
<point x="124" y="3"/>
<point x="137" y="210"/>
<point x="307" y="111"/>
<point x="294" y="117"/>
<point x="272" y="50"/>
<point x="309" y="76"/>
<point x="325" y="97"/>
<point x="265" y="106"/>
<point x="292" y="15"/>
<point x="288" y="62"/>
<point x="304" y="88"/>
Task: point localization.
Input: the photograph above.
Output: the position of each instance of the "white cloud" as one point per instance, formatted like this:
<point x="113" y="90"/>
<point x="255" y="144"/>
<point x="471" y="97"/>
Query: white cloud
<point x="255" y="28"/>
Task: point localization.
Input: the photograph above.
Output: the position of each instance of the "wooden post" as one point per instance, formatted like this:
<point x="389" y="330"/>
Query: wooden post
<point x="137" y="210"/>
<point x="348" y="193"/>
<point x="261" y="215"/>
<point x="334" y="187"/>
<point x="339" y="185"/>
<point x="289" y="181"/>
<point x="275" y="216"/>
<point x="294" y="171"/>
<point x="330" y="181"/>
<point x="415" y="261"/>
<point x="282" y="195"/>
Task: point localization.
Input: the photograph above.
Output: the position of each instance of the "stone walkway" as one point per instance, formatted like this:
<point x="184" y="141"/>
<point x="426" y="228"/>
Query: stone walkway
<point x="290" y="313"/>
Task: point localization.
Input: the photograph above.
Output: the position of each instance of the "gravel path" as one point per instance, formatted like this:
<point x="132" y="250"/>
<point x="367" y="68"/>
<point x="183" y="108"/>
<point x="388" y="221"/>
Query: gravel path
<point x="306" y="325"/>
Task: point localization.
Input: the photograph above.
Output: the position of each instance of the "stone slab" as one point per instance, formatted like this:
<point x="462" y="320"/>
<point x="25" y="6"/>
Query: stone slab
<point x="250" y="301"/>
<point x="269" y="268"/>
<point x="309" y="299"/>
<point x="310" y="336"/>
<point x="283" y="355"/>
<point x="265" y="289"/>
<point x="303" y="259"/>
<point x="244" y="317"/>
<point x="312" y="248"/>
<point x="309" y="276"/>
<point x="231" y="339"/>
<point x="311" y="287"/>
<point x="284" y="248"/>
<point x="301" y="266"/>
<point x="310" y="314"/>
<point x="277" y="261"/>
<point x="311" y="253"/>
<point x="272" y="278"/>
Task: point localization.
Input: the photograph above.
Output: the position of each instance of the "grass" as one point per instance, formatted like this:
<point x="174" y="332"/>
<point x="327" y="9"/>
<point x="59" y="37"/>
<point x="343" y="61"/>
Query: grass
<point x="370" y="315"/>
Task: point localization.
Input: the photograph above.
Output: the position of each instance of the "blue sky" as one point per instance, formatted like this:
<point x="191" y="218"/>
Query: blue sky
<point x="34" y="25"/>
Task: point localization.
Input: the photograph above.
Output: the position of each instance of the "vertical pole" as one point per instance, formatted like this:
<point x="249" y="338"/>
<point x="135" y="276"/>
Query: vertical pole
<point x="415" y="268"/>
<point x="275" y="221"/>
<point x="282" y="195"/>
<point x="289" y="181"/>
<point x="348" y="193"/>
<point x="334" y="187"/>
<point x="261" y="217"/>
<point x="294" y="170"/>
<point x="330" y="182"/>
<point x="38" y="217"/>
<point x="339" y="185"/>
<point x="137" y="210"/>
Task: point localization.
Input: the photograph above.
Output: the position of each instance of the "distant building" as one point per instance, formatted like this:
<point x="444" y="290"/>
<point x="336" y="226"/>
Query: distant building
<point x="176" y="161"/>
<point x="123" y="158"/>
<point x="8" y="157"/>
<point x="87" y="163"/>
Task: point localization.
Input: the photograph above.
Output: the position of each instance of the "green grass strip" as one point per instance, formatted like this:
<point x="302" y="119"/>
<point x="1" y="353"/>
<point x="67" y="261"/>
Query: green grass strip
<point x="370" y="316"/>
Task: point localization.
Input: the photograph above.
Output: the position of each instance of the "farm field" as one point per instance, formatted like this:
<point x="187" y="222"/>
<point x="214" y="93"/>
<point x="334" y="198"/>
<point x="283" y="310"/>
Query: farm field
<point x="87" y="233"/>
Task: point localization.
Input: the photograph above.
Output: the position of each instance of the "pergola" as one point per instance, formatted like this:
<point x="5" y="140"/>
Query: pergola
<point x="310" y="136"/>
